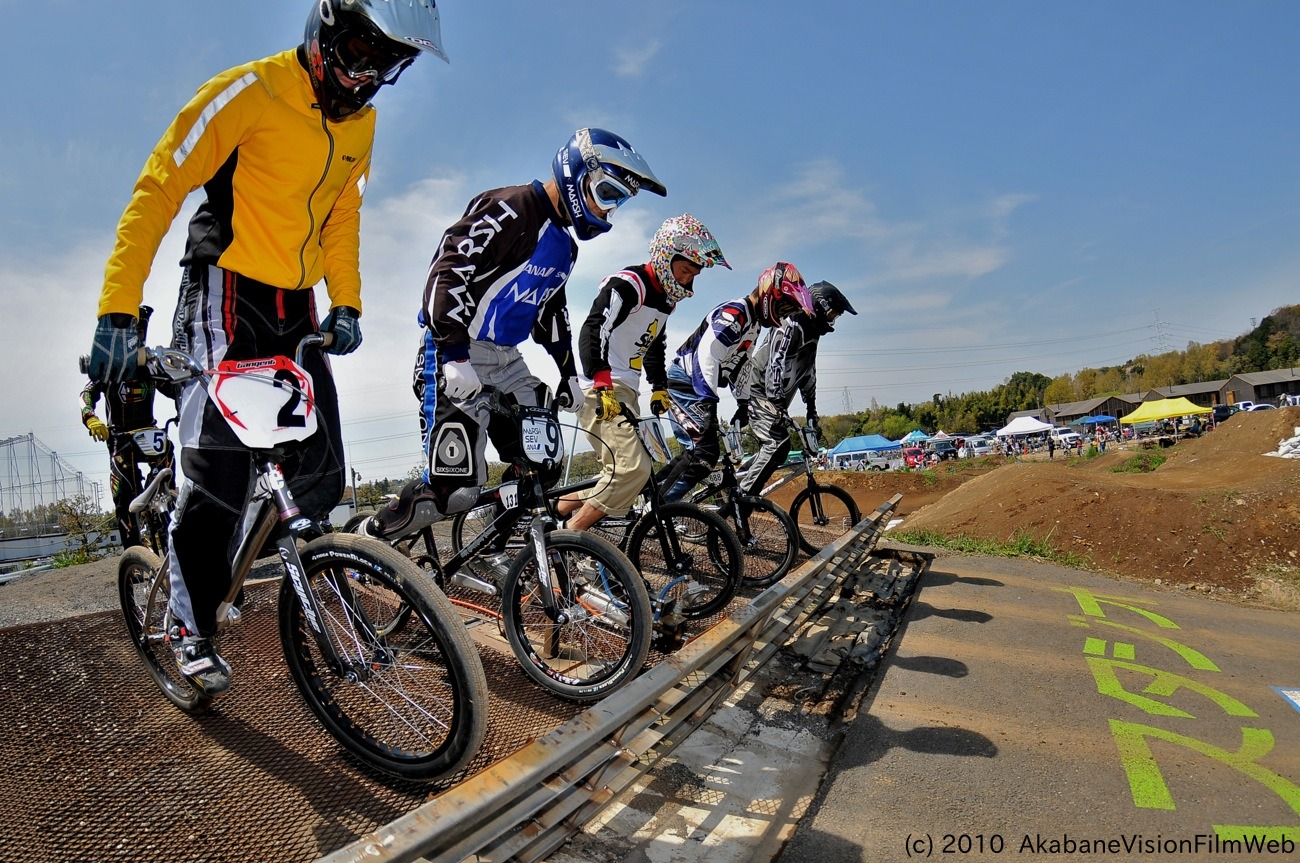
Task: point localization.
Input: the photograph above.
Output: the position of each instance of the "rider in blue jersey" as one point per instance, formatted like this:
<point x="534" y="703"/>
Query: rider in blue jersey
<point x="499" y="278"/>
<point x="714" y="357"/>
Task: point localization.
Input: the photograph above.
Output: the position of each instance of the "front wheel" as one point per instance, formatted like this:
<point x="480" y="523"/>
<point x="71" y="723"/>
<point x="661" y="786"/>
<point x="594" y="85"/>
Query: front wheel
<point x="767" y="536"/>
<point x="404" y="690"/>
<point x="689" y="554"/>
<point x="144" y="590"/>
<point x="597" y="637"/>
<point x="822" y="514"/>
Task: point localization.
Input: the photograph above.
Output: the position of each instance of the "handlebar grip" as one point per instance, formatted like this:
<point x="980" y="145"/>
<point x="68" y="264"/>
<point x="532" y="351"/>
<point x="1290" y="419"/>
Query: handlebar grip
<point x="83" y="362"/>
<point x="326" y="340"/>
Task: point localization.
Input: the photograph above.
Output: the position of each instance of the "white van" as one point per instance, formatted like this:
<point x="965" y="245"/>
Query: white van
<point x="1065" y="438"/>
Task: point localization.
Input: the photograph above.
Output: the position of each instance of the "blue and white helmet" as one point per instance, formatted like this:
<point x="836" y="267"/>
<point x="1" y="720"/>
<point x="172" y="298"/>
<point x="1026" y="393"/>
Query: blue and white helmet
<point x="609" y="168"/>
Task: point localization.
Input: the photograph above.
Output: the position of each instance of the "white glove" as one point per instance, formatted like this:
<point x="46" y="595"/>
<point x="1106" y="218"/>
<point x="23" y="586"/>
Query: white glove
<point x="570" y="396"/>
<point x="460" y="381"/>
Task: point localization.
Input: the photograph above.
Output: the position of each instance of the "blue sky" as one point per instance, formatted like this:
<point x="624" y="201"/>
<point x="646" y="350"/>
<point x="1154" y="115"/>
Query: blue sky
<point x="998" y="186"/>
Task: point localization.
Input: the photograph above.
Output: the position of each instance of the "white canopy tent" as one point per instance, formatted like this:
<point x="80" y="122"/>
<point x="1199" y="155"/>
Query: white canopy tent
<point x="1023" y="425"/>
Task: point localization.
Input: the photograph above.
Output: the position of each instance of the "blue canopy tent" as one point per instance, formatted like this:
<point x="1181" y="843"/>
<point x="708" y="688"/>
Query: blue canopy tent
<point x="846" y="449"/>
<point x="915" y="436"/>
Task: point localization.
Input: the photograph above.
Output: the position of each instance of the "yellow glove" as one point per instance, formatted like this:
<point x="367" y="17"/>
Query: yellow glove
<point x="659" y="403"/>
<point x="609" y="406"/>
<point x="97" y="429"/>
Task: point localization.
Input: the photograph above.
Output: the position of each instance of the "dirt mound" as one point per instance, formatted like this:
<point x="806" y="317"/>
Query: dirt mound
<point x="1217" y="513"/>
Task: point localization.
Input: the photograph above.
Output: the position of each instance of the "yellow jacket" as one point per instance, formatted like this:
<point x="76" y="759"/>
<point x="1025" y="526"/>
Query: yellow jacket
<point x="284" y="187"/>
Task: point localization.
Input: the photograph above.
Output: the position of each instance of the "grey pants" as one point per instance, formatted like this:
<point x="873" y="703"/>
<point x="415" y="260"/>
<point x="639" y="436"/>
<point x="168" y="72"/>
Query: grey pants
<point x="769" y="425"/>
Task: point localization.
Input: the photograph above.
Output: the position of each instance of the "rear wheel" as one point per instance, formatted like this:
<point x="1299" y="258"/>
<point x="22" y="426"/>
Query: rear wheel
<point x="708" y="562"/>
<point x="603" y="636"/>
<point x="144" y="590"/>
<point x="405" y="692"/>
<point x="822" y="514"/>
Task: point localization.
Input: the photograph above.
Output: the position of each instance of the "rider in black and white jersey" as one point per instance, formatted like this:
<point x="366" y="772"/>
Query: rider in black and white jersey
<point x="714" y="357"/>
<point x="623" y="336"/>
<point x="497" y="279"/>
<point x="783" y="364"/>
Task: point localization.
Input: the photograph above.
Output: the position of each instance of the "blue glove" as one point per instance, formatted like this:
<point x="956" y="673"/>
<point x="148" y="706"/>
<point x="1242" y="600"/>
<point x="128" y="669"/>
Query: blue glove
<point x="115" y="351"/>
<point x="344" y="322"/>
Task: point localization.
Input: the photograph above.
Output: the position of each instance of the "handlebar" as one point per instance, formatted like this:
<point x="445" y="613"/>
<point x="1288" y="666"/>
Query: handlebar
<point x="176" y="365"/>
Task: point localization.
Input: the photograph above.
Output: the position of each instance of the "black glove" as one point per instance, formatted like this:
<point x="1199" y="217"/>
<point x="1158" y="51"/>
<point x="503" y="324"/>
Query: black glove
<point x="344" y="322"/>
<point x="114" y="353"/>
<point x="741" y="417"/>
<point x="816" y="423"/>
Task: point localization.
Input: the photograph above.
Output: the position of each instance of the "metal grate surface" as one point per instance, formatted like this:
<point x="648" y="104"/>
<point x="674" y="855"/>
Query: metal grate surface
<point x="98" y="766"/>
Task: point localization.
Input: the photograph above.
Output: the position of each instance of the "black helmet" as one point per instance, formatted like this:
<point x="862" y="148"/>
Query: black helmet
<point x="370" y="39"/>
<point x="828" y="303"/>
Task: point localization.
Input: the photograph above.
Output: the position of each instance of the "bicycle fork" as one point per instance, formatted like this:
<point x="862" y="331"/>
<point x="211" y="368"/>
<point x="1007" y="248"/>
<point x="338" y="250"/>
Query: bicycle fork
<point x="281" y="509"/>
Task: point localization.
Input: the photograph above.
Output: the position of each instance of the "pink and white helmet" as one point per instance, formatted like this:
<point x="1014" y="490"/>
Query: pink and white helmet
<point x="686" y="237"/>
<point x="782" y="293"/>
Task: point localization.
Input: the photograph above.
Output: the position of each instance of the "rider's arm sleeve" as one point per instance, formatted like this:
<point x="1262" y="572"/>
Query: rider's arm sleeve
<point x="552" y="332"/>
<point x="449" y="303"/>
<point x="340" y="240"/>
<point x="615" y="300"/>
<point x="655" y="365"/>
<point x="89" y="398"/>
<point x="194" y="147"/>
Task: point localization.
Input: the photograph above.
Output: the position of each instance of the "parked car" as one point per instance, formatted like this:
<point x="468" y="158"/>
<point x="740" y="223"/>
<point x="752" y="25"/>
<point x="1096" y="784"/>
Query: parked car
<point x="946" y="450"/>
<point x="914" y="456"/>
<point x="980" y="445"/>
<point x="1262" y="406"/>
<point x="1065" y="438"/>
<point x="1222" y="412"/>
<point x="1245" y="405"/>
<point x="885" y="460"/>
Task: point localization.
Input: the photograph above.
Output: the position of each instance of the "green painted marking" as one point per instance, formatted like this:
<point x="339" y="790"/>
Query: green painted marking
<point x="1264" y="834"/>
<point x="1190" y="655"/>
<point x="1090" y="604"/>
<point x="1147" y="783"/>
<point x="1094" y="646"/>
<point x="1123" y="650"/>
<point x="1163" y="683"/>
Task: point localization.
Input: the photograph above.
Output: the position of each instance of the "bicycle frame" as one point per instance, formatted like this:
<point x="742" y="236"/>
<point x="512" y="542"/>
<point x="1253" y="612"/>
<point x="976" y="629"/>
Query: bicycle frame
<point x="276" y="514"/>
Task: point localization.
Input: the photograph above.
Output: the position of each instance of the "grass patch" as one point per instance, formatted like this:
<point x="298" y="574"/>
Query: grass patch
<point x="73" y="557"/>
<point x="1143" y="462"/>
<point x="1020" y="545"/>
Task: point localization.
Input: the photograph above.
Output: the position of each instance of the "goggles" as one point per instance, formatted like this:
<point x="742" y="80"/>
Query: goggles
<point x="363" y="61"/>
<point x="608" y="193"/>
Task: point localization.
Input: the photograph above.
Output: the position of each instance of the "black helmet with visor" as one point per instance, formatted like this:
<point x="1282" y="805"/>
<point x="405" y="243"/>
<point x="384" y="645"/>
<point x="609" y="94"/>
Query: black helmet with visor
<point x="368" y="43"/>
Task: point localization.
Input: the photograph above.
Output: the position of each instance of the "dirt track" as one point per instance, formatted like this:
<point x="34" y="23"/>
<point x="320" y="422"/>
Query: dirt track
<point x="1217" y="516"/>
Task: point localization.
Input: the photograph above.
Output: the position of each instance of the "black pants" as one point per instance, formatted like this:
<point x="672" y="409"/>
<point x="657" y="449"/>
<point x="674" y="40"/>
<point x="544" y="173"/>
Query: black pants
<point x="223" y="316"/>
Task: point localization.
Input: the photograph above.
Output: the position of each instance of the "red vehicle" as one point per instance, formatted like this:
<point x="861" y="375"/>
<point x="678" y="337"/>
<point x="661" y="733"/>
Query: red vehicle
<point x="914" y="456"/>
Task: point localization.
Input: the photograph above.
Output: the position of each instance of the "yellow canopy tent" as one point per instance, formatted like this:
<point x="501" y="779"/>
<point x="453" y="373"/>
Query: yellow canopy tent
<point x="1163" y="409"/>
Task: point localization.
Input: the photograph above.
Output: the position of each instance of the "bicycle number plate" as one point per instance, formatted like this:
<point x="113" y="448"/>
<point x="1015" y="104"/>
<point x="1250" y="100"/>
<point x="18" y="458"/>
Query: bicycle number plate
<point x="150" y="441"/>
<point x="266" y="402"/>
<point x="811" y="445"/>
<point x="510" y="495"/>
<point x="539" y="432"/>
<point x="656" y="444"/>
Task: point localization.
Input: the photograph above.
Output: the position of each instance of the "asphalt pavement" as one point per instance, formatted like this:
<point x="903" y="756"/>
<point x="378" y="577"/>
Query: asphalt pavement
<point x="1030" y="712"/>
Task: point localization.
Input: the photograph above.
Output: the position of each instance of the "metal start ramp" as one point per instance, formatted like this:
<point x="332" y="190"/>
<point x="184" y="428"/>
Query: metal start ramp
<point x="525" y="806"/>
<point x="97" y="766"/>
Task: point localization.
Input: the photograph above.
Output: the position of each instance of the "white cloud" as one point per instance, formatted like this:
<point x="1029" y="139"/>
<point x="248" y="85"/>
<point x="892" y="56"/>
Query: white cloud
<point x="633" y="62"/>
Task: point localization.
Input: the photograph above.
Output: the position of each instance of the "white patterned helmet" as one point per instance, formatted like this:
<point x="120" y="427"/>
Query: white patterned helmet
<point x="686" y="237"/>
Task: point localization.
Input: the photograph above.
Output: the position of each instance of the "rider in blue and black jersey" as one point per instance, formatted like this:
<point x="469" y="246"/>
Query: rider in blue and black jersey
<point x="499" y="278"/>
